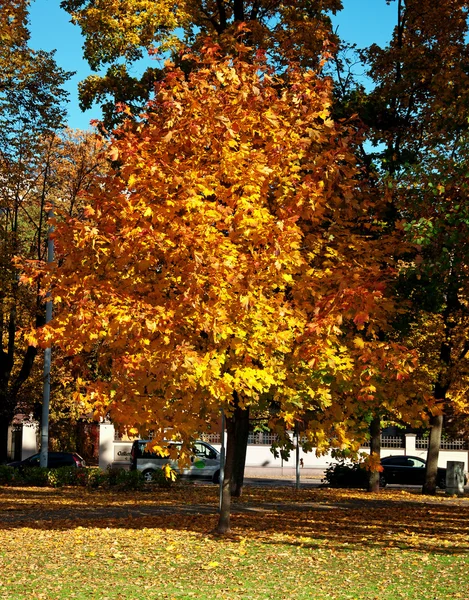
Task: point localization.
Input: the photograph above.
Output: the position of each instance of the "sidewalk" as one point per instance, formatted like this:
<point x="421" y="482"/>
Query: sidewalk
<point x="306" y="473"/>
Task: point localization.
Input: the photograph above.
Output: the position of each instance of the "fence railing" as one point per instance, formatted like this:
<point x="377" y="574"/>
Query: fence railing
<point x="262" y="439"/>
<point x="387" y="441"/>
<point x="211" y="438"/>
<point x="421" y="443"/>
<point x="254" y="439"/>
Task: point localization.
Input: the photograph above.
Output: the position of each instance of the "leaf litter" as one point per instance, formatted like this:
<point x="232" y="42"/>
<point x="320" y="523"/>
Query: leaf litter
<point x="315" y="543"/>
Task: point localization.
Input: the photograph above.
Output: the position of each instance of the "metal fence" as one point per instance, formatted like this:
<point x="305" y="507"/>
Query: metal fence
<point x="421" y="443"/>
<point x="392" y="442"/>
<point x="262" y="439"/>
<point x="267" y="439"/>
<point x="395" y="441"/>
<point x="211" y="438"/>
<point x="254" y="439"/>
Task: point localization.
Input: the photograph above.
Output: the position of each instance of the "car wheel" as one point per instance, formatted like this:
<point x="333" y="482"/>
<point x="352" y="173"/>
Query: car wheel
<point x="148" y="475"/>
<point x="216" y="477"/>
<point x="382" y="481"/>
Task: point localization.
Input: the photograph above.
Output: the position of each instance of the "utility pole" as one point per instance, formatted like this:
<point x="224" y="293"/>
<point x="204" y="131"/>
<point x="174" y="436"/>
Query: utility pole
<point x="222" y="458"/>
<point x="47" y="360"/>
<point x="297" y="457"/>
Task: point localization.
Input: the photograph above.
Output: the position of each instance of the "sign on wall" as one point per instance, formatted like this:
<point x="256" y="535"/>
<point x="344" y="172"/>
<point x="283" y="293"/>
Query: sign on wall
<point x="122" y="451"/>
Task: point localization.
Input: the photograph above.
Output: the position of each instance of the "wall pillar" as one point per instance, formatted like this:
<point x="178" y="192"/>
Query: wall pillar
<point x="10" y="444"/>
<point x="106" y="445"/>
<point x="29" y="439"/>
<point x="410" y="443"/>
<point x="455" y="478"/>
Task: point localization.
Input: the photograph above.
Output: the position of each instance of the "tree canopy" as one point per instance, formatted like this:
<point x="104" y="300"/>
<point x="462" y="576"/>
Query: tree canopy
<point x="268" y="237"/>
<point x="117" y="38"/>
<point x="235" y="256"/>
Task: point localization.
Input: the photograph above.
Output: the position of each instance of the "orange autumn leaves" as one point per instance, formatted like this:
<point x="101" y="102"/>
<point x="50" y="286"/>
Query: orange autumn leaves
<point x="235" y="248"/>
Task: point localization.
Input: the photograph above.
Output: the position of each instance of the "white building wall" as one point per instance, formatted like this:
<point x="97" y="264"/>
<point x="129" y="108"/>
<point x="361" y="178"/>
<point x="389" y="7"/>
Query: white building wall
<point x="29" y="440"/>
<point x="260" y="456"/>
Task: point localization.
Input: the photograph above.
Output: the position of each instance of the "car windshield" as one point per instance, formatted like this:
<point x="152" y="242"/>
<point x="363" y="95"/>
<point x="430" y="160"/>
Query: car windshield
<point x="204" y="451"/>
<point x="416" y="462"/>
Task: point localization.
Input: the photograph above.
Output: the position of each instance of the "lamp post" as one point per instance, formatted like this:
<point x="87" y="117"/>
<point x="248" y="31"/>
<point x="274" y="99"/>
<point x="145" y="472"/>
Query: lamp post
<point x="222" y="456"/>
<point x="297" y="456"/>
<point x="47" y="361"/>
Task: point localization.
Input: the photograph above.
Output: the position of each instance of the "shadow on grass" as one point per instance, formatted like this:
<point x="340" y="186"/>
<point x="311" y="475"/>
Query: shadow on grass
<point x="345" y="519"/>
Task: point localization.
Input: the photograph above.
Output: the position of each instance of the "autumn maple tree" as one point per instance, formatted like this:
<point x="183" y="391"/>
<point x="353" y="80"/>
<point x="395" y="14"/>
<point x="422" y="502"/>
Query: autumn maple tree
<point x="220" y="264"/>
<point x="296" y="31"/>
<point x="116" y="39"/>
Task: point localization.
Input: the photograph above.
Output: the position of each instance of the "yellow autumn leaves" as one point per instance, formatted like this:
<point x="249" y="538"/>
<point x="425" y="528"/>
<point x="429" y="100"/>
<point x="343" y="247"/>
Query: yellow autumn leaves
<point x="205" y="269"/>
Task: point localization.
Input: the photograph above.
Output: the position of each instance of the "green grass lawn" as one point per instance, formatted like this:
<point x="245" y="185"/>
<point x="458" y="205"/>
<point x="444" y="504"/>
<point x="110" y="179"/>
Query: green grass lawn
<point x="312" y="544"/>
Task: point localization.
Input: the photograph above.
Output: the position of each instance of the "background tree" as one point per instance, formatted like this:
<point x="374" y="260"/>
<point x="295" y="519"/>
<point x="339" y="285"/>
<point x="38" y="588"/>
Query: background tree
<point x="417" y="112"/>
<point x="31" y="112"/>
<point x="63" y="165"/>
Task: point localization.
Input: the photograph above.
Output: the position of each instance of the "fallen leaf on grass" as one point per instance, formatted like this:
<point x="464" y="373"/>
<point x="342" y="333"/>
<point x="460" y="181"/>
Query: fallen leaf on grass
<point x="211" y="565"/>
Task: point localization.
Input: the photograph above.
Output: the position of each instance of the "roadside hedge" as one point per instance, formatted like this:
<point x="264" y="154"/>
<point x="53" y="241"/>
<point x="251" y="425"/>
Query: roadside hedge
<point x="89" y="477"/>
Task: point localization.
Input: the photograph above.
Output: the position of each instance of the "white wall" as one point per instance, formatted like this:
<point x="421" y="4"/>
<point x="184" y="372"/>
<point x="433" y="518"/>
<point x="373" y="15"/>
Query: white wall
<point x="117" y="453"/>
<point x="29" y="440"/>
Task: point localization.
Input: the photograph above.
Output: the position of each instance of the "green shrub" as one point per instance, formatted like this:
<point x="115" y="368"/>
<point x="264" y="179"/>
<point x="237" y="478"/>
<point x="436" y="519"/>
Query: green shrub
<point x="132" y="480"/>
<point x="38" y="476"/>
<point x="114" y="475"/>
<point x="119" y="478"/>
<point x="96" y="478"/>
<point x="163" y="477"/>
<point x="7" y="474"/>
<point x="65" y="476"/>
<point x="41" y="476"/>
<point x="81" y="476"/>
<point x="344" y="475"/>
<point x="124" y="479"/>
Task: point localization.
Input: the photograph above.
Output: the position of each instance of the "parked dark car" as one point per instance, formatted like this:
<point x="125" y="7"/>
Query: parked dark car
<point x="54" y="460"/>
<point x="407" y="470"/>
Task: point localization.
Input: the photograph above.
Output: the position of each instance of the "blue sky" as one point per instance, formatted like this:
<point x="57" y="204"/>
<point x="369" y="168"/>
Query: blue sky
<point x="362" y="22"/>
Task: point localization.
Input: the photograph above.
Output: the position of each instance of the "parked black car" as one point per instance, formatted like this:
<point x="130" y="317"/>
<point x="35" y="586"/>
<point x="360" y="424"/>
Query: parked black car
<point x="407" y="470"/>
<point x="54" y="460"/>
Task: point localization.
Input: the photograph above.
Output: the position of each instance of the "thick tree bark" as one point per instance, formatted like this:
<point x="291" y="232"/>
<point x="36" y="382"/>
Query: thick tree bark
<point x="241" y="443"/>
<point x="237" y="428"/>
<point x="375" y="449"/>
<point x="431" y="470"/>
<point x="10" y="389"/>
<point x="225" y="509"/>
<point x="442" y="384"/>
<point x="4" y="424"/>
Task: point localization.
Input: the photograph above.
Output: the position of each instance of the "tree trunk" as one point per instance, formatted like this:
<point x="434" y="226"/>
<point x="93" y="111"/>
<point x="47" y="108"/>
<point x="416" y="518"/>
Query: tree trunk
<point x="237" y="428"/>
<point x="431" y="470"/>
<point x="225" y="509"/>
<point x="375" y="450"/>
<point x="4" y="424"/>
<point x="241" y="443"/>
<point x="10" y="389"/>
